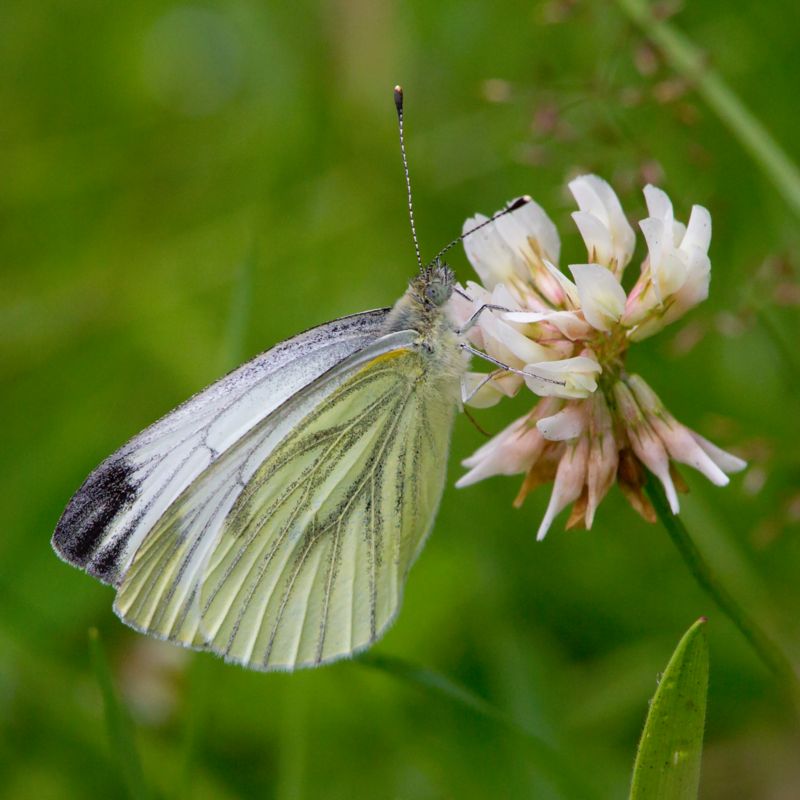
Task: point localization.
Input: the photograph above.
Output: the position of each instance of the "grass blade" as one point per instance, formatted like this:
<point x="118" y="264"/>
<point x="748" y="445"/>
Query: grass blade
<point x="120" y="727"/>
<point x="667" y="764"/>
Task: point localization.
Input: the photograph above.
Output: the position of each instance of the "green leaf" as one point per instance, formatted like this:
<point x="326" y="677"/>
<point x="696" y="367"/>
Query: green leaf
<point x="668" y="762"/>
<point x="120" y="727"/>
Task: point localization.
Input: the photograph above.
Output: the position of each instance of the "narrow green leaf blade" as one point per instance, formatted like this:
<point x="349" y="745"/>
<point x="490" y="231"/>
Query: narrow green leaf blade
<point x="120" y="727"/>
<point x="668" y="762"/>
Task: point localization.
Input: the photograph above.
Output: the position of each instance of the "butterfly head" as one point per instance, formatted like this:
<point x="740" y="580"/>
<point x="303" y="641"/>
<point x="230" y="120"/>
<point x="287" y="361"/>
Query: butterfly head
<point x="434" y="286"/>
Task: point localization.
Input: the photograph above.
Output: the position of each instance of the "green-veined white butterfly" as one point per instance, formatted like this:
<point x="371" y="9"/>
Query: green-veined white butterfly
<point x="273" y="517"/>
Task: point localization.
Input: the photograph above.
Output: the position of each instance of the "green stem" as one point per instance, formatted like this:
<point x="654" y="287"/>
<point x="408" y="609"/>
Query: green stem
<point x="760" y="641"/>
<point x="688" y="60"/>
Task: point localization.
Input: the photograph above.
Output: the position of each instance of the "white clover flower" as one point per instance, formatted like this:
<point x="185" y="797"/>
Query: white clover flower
<point x="566" y="340"/>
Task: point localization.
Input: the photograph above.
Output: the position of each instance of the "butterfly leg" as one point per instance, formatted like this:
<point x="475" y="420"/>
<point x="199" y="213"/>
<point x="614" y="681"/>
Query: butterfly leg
<point x="467" y="395"/>
<point x="506" y="367"/>
<point x="472" y="321"/>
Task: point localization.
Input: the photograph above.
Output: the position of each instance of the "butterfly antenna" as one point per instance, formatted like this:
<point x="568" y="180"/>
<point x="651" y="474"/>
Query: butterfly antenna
<point x="513" y="206"/>
<point x="398" y="104"/>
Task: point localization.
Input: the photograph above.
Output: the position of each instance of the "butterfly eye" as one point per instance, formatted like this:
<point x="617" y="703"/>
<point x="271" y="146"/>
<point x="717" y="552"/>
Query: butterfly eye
<point x="438" y="293"/>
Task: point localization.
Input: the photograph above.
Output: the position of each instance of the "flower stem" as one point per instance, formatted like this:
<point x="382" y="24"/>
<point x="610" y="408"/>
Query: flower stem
<point x="760" y="641"/>
<point x="688" y="60"/>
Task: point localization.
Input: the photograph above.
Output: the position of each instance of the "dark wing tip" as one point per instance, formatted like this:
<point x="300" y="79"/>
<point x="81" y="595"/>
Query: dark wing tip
<point x="91" y="510"/>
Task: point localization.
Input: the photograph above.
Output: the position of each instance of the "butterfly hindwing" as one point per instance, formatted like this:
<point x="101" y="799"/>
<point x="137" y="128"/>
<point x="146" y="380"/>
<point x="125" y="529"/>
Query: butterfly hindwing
<point x="293" y="549"/>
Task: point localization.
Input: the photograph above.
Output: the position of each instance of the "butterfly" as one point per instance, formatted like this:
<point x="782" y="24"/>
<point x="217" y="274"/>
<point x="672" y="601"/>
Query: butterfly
<point x="273" y="517"/>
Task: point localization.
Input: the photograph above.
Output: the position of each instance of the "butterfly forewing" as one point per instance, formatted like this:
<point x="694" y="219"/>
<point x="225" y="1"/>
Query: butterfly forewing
<point x="119" y="503"/>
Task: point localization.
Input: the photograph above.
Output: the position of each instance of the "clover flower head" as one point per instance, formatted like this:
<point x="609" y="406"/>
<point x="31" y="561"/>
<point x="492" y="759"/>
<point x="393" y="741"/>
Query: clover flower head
<point x="565" y="337"/>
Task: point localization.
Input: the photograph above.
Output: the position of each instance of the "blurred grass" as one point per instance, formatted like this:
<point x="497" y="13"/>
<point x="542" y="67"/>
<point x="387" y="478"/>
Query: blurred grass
<point x="152" y="152"/>
<point x="548" y="761"/>
<point x="689" y="62"/>
<point x="121" y="737"/>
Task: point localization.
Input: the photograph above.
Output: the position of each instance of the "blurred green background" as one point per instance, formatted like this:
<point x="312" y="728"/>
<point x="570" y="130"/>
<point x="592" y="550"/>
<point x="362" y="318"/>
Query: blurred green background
<point x="183" y="185"/>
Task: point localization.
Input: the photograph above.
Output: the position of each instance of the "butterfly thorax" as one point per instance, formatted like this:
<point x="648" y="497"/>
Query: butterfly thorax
<point x="423" y="308"/>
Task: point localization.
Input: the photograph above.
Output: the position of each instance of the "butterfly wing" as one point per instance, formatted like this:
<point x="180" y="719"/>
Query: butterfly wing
<point x="293" y="549"/>
<point x="122" y="500"/>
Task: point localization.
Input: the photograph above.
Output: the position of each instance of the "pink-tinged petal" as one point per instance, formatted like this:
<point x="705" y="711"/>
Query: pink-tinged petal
<point x="645" y="316"/>
<point x="509" y="455"/>
<point x="727" y="462"/>
<point x="676" y="437"/>
<point x="650" y="451"/>
<point x="569" y="423"/>
<point x="568" y="323"/>
<point x="511" y="452"/>
<point x="693" y="292"/>
<point x="683" y="448"/>
<point x="601" y="471"/>
<point x="601" y="296"/>
<point x="638" y="303"/>
<point x="645" y="441"/>
<point x="567" y="286"/>
<point x="520" y="347"/>
<point x="568" y="484"/>
<point x="570" y="378"/>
